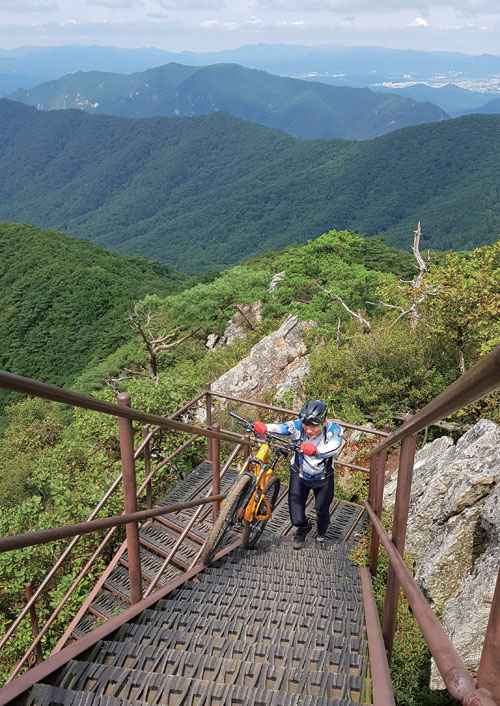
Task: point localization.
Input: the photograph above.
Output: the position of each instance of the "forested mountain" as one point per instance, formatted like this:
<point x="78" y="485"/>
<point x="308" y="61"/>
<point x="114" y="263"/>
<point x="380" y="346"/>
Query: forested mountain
<point x="301" y="108"/>
<point x="452" y="99"/>
<point x="213" y="190"/>
<point x="489" y="108"/>
<point x="65" y="301"/>
<point x="352" y="66"/>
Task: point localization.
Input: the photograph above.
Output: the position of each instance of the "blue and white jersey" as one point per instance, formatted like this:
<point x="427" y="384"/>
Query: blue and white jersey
<point x="328" y="443"/>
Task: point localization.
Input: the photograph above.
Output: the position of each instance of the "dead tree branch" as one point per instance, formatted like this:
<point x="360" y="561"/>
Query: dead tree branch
<point x="238" y="308"/>
<point x="366" y="326"/>
<point x="141" y="321"/>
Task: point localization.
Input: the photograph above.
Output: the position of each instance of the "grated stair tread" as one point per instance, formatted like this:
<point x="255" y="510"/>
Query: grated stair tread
<point x="267" y="638"/>
<point x="149" y="686"/>
<point x="118" y="583"/>
<point x="175" y="691"/>
<point x="151" y="564"/>
<point x="235" y="654"/>
<point x="162" y="540"/>
<point x="106" y="605"/>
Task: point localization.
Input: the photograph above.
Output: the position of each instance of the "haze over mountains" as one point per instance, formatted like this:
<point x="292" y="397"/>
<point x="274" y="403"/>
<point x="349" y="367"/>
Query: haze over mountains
<point x="213" y="190"/>
<point x="26" y="67"/>
<point x="303" y="109"/>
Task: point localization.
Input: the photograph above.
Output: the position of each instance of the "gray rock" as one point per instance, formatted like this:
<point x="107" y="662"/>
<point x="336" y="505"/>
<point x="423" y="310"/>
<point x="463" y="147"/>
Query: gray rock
<point x="276" y="280"/>
<point x="277" y="364"/>
<point x="454" y="533"/>
<point x="465" y="617"/>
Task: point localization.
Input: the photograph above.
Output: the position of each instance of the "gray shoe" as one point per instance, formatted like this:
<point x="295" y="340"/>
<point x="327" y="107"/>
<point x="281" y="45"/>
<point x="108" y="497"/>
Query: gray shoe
<point x="300" y="536"/>
<point x="320" y="540"/>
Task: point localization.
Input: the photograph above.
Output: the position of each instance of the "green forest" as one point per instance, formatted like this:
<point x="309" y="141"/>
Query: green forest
<point x="301" y="108"/>
<point x="56" y="463"/>
<point x="64" y="301"/>
<point x="240" y="189"/>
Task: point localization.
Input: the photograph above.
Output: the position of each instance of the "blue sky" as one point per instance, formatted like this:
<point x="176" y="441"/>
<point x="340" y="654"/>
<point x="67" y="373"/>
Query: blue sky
<point x="469" y="26"/>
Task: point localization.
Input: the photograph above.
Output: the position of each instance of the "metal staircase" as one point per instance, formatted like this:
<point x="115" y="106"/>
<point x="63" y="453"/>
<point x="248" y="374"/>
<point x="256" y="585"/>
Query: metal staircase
<point x="271" y="626"/>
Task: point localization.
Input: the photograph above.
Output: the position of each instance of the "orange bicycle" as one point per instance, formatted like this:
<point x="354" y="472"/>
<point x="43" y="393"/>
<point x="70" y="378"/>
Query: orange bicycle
<point x="251" y="500"/>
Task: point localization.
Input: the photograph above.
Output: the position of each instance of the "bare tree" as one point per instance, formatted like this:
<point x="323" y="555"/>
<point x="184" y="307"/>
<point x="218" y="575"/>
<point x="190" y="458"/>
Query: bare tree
<point x="365" y="325"/>
<point x="417" y="287"/>
<point x="142" y="321"/>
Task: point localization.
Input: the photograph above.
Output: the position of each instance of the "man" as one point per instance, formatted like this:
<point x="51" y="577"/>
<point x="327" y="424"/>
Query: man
<point x="311" y="468"/>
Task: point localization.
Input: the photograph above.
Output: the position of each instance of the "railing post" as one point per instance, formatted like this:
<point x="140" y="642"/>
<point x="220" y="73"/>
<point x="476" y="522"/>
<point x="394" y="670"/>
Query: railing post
<point x="130" y="500"/>
<point x="34" y="622"/>
<point x="215" y="471"/>
<point x="247" y="449"/>
<point x="400" y="521"/>
<point x="373" y="479"/>
<point x="208" y="408"/>
<point x="378" y="494"/>
<point x="487" y="675"/>
<point x="147" y="468"/>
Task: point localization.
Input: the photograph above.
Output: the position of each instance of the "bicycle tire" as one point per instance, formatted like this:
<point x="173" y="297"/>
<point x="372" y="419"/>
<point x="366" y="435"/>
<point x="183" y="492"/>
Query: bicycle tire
<point x="225" y="519"/>
<point x="253" y="530"/>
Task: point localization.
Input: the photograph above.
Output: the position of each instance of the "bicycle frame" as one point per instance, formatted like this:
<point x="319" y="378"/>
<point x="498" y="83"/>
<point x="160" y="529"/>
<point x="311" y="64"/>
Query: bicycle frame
<point x="262" y="475"/>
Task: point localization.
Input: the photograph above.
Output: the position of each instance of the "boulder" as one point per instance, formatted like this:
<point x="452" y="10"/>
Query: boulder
<point x="278" y="364"/>
<point x="238" y="326"/>
<point x="454" y="533"/>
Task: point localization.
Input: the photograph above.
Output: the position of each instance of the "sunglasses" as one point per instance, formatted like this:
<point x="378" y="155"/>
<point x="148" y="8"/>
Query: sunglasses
<point x="312" y="421"/>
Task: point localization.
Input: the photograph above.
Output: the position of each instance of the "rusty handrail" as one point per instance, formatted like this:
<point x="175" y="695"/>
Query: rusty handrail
<point x="455" y="675"/>
<point x="32" y="600"/>
<point x="480" y="380"/>
<point x="284" y="410"/>
<point x="26" y="386"/>
<point x="31" y="539"/>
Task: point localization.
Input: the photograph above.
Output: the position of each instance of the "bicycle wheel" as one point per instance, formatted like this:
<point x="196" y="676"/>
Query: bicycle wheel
<point x="226" y="518"/>
<point x="252" y="530"/>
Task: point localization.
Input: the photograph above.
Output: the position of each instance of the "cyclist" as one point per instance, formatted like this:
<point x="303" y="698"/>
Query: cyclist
<point x="311" y="468"/>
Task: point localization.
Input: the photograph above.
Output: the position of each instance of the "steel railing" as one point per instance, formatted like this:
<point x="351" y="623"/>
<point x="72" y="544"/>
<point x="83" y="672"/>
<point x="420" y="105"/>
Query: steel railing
<point x="479" y="381"/>
<point x="125" y="415"/>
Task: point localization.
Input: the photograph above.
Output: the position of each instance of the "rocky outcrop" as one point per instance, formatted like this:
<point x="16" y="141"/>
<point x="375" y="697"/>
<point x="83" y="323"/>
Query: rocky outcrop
<point x="278" y="363"/>
<point x="238" y="325"/>
<point x="454" y="533"/>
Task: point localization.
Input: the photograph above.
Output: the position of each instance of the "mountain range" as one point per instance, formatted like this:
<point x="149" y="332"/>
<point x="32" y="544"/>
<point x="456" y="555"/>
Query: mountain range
<point x="26" y="67"/>
<point x="212" y="190"/>
<point x="301" y="108"/>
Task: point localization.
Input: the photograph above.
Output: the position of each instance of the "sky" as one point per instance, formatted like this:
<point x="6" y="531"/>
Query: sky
<point x="468" y="26"/>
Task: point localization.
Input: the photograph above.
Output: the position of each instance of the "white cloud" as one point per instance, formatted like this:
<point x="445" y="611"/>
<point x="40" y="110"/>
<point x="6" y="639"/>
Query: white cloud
<point x="463" y="7"/>
<point x="254" y="21"/>
<point x="192" y="4"/>
<point x="113" y="4"/>
<point x="296" y="23"/>
<point x="28" y="5"/>
<point x="419" y="22"/>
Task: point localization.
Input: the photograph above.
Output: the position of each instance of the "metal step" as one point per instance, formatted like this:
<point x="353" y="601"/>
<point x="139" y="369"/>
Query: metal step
<point x="152" y="687"/>
<point x="151" y="564"/>
<point x="47" y="695"/>
<point x="265" y="638"/>
<point x="107" y="605"/>
<point x="147" y="657"/>
<point x="177" y="691"/>
<point x="86" y="625"/>
<point x="161" y="539"/>
<point x="118" y="582"/>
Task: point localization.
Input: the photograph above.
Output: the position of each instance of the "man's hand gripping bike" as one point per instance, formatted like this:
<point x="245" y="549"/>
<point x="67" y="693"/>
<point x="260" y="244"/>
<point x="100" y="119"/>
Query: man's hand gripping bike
<point x="251" y="500"/>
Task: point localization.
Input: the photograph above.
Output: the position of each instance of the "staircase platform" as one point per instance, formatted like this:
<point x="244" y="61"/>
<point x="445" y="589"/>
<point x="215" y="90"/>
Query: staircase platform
<point x="268" y="626"/>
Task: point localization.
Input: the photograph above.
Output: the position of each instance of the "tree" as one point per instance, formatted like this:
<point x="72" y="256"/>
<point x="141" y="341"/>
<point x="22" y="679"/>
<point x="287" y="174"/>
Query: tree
<point x="142" y="321"/>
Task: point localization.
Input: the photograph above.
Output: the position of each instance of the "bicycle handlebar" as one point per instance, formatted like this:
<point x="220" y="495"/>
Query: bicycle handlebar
<point x="285" y="445"/>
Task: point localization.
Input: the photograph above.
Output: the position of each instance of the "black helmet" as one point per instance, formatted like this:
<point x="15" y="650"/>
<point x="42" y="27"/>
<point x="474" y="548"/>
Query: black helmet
<point x="313" y="412"/>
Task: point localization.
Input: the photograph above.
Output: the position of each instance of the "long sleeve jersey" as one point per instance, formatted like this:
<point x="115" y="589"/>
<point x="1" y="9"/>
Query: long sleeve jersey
<point x="328" y="443"/>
